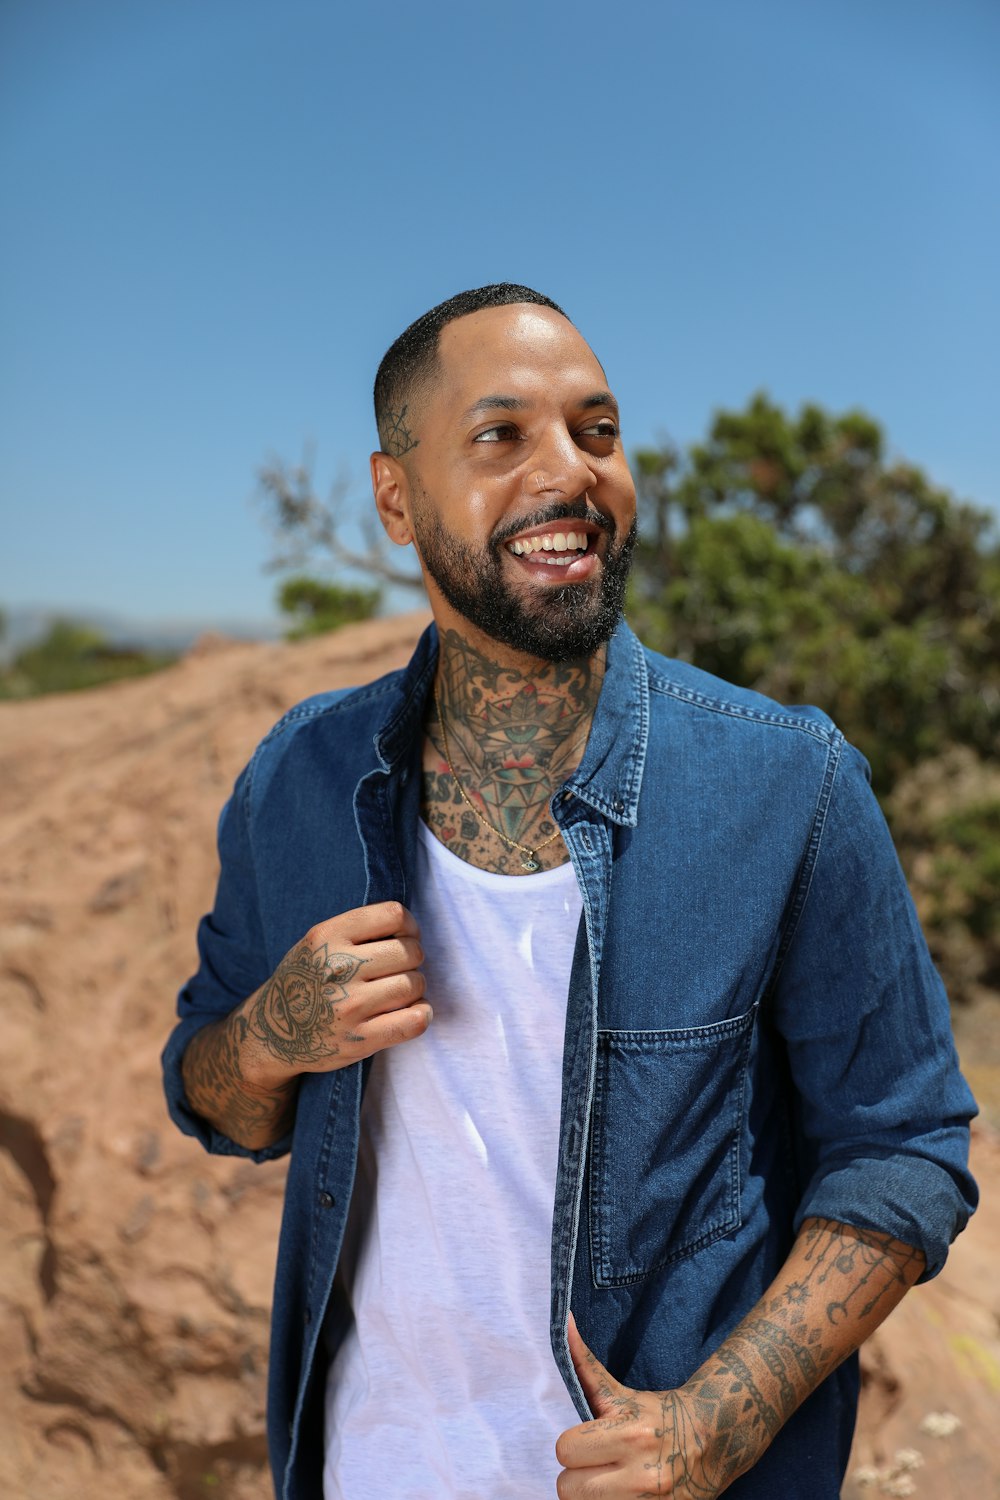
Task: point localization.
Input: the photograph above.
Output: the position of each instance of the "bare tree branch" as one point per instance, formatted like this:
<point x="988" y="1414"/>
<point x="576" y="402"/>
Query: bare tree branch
<point x="308" y="531"/>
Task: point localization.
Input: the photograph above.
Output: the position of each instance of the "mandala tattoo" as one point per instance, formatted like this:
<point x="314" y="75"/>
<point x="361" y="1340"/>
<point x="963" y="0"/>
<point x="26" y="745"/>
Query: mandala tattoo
<point x="295" y="1014"/>
<point x="398" y="438"/>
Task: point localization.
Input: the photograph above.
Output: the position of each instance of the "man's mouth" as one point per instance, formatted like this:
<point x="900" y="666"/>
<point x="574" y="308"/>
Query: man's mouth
<point x="556" y="547"/>
<point x="565" y="545"/>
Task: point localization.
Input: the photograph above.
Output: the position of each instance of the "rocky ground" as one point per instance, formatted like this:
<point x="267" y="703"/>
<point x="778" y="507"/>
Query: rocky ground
<point x="135" y="1271"/>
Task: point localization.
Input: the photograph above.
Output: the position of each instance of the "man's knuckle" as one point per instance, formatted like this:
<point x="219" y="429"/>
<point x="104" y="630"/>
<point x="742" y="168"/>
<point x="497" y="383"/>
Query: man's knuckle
<point x="402" y="989"/>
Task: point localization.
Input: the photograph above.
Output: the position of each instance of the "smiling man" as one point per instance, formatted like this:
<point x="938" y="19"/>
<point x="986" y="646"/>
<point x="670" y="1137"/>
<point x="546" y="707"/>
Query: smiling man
<point x="685" y="1122"/>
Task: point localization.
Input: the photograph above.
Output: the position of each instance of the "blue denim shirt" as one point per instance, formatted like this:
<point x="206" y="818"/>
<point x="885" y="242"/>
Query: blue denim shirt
<point x="755" y="1032"/>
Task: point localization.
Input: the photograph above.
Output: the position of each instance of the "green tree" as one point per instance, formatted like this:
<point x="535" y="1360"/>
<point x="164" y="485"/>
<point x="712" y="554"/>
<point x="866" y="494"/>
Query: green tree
<point x="946" y="820"/>
<point x="785" y="553"/>
<point x="314" y="606"/>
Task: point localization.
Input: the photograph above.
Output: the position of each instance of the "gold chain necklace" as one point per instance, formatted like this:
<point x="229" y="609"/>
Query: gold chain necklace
<point x="530" y="860"/>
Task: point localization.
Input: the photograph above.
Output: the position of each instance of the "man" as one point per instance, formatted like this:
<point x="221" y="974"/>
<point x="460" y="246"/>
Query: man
<point x="687" y="1121"/>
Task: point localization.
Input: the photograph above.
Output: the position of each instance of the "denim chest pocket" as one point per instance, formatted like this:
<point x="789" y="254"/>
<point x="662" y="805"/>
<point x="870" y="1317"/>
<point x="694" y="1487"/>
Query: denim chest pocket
<point x="665" y="1145"/>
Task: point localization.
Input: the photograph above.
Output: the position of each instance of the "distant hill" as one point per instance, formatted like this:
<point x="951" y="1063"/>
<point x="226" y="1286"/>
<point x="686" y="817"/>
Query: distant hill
<point x="29" y="623"/>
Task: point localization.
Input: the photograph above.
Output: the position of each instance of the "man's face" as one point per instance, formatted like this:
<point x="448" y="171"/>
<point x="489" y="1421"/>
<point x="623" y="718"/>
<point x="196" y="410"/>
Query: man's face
<point x="521" y="500"/>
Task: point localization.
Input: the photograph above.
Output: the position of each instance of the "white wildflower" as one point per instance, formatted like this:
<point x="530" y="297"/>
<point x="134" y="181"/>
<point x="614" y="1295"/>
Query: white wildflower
<point x="907" y="1458"/>
<point x="940" y="1424"/>
<point x="899" y="1488"/>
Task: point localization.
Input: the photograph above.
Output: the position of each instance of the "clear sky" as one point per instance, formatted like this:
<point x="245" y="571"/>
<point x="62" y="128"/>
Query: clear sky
<point x="217" y="214"/>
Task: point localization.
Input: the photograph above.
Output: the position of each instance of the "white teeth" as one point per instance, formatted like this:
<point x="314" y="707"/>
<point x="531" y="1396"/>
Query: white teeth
<point x="555" y="541"/>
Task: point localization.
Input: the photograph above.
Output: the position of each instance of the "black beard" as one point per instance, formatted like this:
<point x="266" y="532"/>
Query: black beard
<point x="566" y="623"/>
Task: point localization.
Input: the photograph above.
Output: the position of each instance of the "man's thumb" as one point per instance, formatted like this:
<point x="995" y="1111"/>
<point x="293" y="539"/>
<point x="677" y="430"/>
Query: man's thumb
<point x="599" y="1387"/>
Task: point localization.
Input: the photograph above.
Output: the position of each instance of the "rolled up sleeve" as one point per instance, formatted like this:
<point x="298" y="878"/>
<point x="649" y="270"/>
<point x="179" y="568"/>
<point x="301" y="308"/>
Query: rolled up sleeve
<point x="233" y="964"/>
<point x="883" y="1110"/>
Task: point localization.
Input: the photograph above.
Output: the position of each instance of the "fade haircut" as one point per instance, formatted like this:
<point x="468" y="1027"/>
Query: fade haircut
<point x="413" y="358"/>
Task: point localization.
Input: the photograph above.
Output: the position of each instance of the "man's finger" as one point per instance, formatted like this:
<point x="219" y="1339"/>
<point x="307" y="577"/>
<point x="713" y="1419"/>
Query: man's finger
<point x="389" y="956"/>
<point x="383" y="996"/>
<point x="599" y="1386"/>
<point x="385" y="919"/>
<point x="400" y="1026"/>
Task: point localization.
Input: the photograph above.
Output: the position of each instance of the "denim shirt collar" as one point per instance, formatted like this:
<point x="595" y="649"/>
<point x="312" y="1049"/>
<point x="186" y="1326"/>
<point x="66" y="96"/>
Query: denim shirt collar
<point x="609" y="776"/>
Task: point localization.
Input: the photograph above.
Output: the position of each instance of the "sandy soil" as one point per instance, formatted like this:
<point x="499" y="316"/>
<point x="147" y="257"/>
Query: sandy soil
<point x="136" y="1272"/>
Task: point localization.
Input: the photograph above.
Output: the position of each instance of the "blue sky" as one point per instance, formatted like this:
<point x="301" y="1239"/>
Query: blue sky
<point x="219" y="213"/>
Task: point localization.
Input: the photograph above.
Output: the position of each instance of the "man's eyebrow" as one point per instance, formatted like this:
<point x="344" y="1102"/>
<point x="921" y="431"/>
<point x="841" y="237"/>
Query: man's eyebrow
<point x="599" y="398"/>
<point x="496" y="403"/>
<point x="515" y="403"/>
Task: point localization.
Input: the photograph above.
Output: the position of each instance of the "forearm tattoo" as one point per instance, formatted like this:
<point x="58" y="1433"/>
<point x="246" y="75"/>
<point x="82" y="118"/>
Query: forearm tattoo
<point x="802" y="1333"/>
<point x="218" y="1091"/>
<point x="716" y="1426"/>
<point x="295" y="1013"/>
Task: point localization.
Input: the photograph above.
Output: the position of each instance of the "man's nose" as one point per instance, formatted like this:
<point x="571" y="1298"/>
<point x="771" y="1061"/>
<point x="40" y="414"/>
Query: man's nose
<point x="559" y="467"/>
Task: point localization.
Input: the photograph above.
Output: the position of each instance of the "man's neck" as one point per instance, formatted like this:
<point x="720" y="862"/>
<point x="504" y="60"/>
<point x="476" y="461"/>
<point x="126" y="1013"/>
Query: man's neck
<point x="512" y="734"/>
<point x="485" y="694"/>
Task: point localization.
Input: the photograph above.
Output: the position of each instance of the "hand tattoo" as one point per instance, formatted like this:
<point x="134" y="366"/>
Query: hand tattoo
<point x="295" y="1013"/>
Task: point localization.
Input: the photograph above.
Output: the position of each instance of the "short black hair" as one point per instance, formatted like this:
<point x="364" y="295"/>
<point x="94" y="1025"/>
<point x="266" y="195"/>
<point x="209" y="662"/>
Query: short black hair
<point x="414" y="355"/>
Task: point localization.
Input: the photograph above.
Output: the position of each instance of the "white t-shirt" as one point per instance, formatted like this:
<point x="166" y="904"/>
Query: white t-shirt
<point x="445" y="1387"/>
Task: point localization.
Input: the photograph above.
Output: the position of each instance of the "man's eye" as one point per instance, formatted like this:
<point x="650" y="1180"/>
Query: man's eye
<point x="602" y="429"/>
<point x="502" y="433"/>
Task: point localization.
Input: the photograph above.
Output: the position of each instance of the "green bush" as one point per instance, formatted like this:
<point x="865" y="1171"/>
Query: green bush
<point x="315" y="606"/>
<point x="70" y="657"/>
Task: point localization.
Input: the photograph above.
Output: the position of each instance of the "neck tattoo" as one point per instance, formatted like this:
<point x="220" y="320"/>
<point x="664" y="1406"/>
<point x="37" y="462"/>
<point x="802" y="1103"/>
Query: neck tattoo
<point x="530" y="860"/>
<point x="514" y="737"/>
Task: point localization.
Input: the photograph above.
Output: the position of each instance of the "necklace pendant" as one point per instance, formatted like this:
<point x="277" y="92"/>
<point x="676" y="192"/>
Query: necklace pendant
<point x="530" y="863"/>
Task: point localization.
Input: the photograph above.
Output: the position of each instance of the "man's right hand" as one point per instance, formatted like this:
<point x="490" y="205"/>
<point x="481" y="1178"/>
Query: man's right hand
<point x="351" y="987"/>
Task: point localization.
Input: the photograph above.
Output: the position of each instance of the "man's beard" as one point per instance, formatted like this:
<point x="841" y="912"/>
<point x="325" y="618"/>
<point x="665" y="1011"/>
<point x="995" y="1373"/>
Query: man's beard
<point x="557" y="624"/>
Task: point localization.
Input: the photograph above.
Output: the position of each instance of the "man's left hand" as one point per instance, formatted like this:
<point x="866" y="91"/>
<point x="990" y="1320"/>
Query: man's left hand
<point x="837" y="1285"/>
<point x="640" y="1443"/>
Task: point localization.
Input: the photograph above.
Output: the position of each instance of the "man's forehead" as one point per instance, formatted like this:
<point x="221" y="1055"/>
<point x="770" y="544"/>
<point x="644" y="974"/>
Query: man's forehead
<point x="520" y="337"/>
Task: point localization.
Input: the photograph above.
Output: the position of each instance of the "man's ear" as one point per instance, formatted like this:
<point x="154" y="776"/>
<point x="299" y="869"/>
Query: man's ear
<point x="391" y="488"/>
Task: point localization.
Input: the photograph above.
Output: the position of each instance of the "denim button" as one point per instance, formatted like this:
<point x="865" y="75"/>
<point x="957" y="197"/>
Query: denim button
<point x="619" y="807"/>
<point x="326" y="1200"/>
